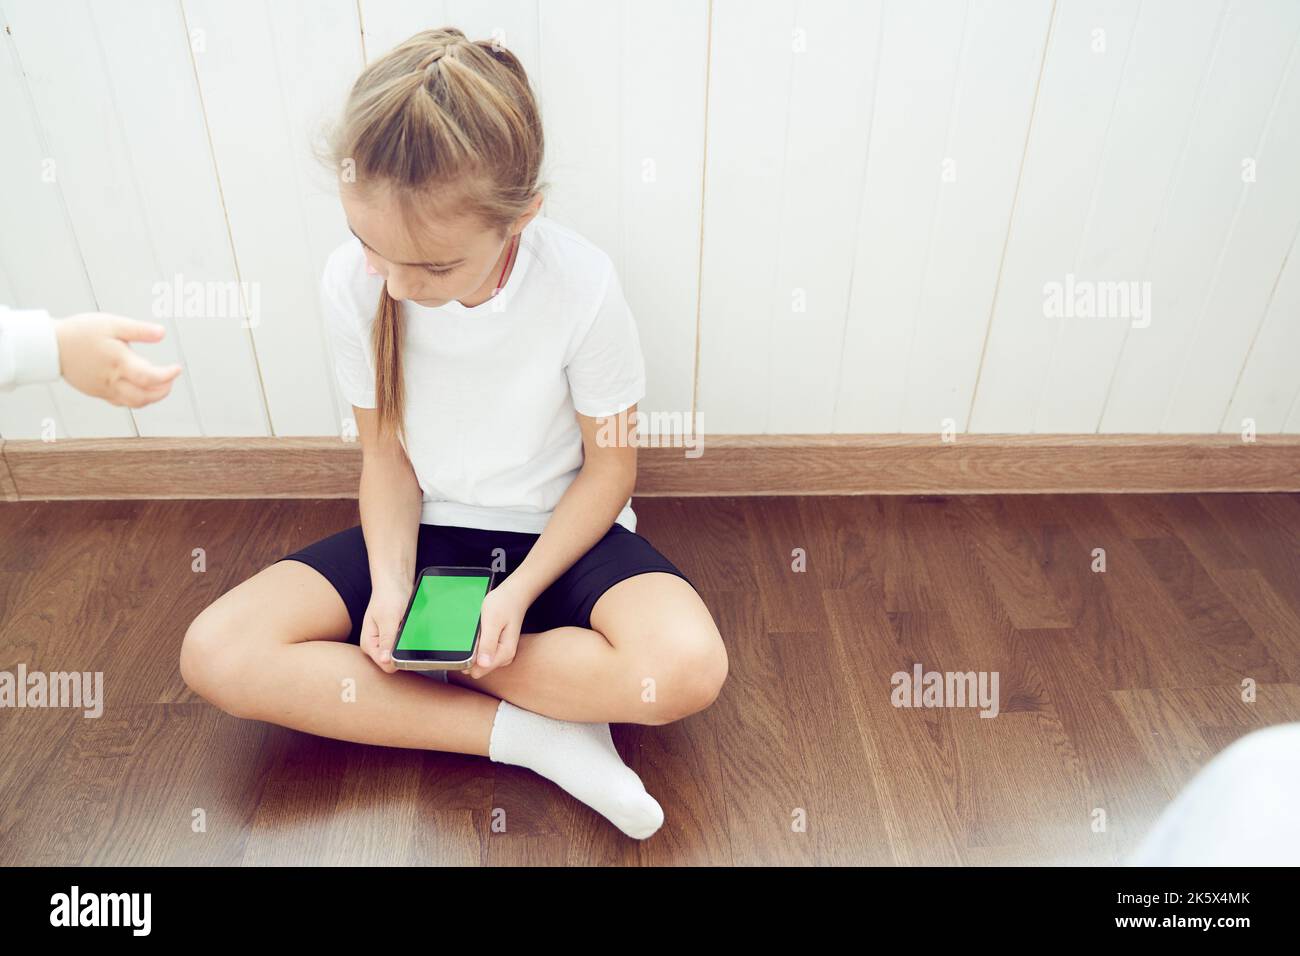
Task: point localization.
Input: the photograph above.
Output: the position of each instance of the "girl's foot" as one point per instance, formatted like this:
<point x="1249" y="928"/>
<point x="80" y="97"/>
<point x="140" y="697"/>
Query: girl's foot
<point x="581" y="759"/>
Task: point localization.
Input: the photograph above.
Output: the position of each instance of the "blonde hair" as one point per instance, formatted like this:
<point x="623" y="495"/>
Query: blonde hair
<point x="452" y="127"/>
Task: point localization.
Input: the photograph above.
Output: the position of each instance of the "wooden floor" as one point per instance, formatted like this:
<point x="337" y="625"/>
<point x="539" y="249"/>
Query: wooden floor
<point x="1114" y="688"/>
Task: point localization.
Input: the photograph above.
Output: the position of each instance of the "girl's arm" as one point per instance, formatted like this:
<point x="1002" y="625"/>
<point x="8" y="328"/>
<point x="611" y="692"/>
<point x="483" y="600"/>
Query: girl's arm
<point x="583" y="515"/>
<point x="588" y="507"/>
<point x="390" y="502"/>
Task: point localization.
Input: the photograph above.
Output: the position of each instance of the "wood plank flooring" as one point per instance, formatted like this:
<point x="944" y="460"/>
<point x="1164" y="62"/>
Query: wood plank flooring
<point x="1115" y="686"/>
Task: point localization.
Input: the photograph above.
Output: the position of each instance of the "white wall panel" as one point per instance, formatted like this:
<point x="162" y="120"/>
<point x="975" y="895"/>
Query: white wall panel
<point x="62" y="54"/>
<point x="1086" y="55"/>
<point x="1166" y="64"/>
<point x="827" y="215"/>
<point x="1270" y="381"/>
<point x="38" y="250"/>
<point x="918" y="73"/>
<point x="1001" y="59"/>
<point x="1248" y="270"/>
<point x="661" y="168"/>
<point x="1203" y="223"/>
<point x="750" y="69"/>
<point x="318" y="44"/>
<point x="239" y="72"/>
<point x="835" y="47"/>
<point x="180" y="202"/>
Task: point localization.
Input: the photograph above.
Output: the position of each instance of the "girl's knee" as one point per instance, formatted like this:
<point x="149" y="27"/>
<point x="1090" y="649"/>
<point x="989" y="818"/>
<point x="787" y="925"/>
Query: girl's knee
<point x="212" y="660"/>
<point x="684" y="676"/>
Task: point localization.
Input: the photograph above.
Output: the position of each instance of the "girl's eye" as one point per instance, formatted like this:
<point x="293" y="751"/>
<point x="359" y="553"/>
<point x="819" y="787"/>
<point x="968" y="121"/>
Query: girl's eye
<point x="429" y="269"/>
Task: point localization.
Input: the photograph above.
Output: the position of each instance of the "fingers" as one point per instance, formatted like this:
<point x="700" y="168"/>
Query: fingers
<point x="507" y="647"/>
<point x="133" y="396"/>
<point x="384" y="648"/>
<point x="377" y="644"/>
<point x="370" y="639"/>
<point x="486" y="654"/>
<point x="138" y="370"/>
<point x="498" y="644"/>
<point x="133" y="330"/>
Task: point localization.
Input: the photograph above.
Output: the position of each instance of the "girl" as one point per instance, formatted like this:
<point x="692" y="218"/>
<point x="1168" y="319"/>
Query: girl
<point x="488" y="354"/>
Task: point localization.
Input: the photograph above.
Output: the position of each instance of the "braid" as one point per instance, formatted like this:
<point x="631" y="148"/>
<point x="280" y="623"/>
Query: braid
<point x="439" y="52"/>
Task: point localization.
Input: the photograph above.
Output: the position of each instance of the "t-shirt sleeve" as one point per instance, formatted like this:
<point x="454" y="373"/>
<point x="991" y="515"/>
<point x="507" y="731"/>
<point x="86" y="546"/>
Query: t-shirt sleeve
<point x="607" y="369"/>
<point x="344" y="325"/>
<point x="29" y="348"/>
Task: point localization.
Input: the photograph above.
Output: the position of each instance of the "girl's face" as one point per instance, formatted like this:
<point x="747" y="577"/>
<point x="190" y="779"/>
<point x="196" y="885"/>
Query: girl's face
<point x="451" y="259"/>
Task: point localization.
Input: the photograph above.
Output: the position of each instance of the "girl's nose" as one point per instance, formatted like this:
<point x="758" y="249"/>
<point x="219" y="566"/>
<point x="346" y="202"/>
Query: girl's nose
<point x="396" y="287"/>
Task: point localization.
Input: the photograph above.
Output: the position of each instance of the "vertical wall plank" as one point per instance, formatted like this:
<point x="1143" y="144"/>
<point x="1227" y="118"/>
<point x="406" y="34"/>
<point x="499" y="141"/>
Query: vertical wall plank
<point x="239" y="71"/>
<point x="1171" y="47"/>
<point x="835" y="48"/>
<point x="75" y="100"/>
<point x="662" y="169"/>
<point x="318" y="43"/>
<point x="583" y="119"/>
<point x="166" y="144"/>
<point x="41" y="259"/>
<point x="1204" y="230"/>
<point x="1270" y="383"/>
<point x="749" y="104"/>
<point x="1000" y="63"/>
<point x="1247" y="272"/>
<point x="1082" y="73"/>
<point x="918" y="71"/>
<point x="624" y="157"/>
<point x="43" y="244"/>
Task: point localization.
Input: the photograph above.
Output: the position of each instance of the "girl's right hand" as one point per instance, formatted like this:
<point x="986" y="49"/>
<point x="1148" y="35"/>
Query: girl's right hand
<point x="379" y="626"/>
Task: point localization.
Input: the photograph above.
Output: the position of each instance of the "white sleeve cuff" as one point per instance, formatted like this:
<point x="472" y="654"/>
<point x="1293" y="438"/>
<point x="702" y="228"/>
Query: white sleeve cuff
<point x="29" y="350"/>
<point x="610" y="407"/>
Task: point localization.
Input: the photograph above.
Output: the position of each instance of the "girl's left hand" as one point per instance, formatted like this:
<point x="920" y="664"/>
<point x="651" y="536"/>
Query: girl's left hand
<point x="501" y="619"/>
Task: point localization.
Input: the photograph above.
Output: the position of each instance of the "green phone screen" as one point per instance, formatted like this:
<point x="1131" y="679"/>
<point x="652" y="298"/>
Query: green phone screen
<point x="444" y="614"/>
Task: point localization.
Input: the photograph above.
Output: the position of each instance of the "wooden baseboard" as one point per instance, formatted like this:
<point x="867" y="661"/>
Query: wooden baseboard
<point x="728" y="465"/>
<point x="8" y="490"/>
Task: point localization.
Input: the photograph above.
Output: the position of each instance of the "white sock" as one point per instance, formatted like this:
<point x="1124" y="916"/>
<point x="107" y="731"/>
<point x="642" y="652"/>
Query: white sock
<point x="579" y="758"/>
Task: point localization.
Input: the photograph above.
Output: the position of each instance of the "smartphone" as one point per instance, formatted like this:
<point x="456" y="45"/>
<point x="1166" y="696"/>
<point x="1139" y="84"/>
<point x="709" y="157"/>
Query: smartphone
<point x="440" y="629"/>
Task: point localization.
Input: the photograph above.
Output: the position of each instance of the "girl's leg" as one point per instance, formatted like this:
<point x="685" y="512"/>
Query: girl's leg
<point x="274" y="648"/>
<point x="653" y="655"/>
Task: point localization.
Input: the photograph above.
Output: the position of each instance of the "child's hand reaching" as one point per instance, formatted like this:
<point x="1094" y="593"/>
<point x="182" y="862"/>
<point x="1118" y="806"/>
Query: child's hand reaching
<point x="501" y="619"/>
<point x="94" y="358"/>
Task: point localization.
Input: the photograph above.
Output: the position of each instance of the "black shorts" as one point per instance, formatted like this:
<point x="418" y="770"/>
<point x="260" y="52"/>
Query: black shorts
<point x="620" y="554"/>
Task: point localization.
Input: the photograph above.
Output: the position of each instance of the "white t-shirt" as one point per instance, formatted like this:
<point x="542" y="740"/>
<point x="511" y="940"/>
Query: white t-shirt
<point x="491" y="390"/>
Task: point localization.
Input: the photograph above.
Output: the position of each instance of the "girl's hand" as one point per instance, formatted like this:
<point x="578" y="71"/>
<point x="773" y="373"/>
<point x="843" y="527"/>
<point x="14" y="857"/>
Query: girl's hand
<point x="501" y="619"/>
<point x="379" y="626"/>
<point x="94" y="358"/>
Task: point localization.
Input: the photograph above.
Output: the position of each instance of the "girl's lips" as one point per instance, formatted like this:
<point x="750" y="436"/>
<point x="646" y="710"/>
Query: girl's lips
<point x="371" y="270"/>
